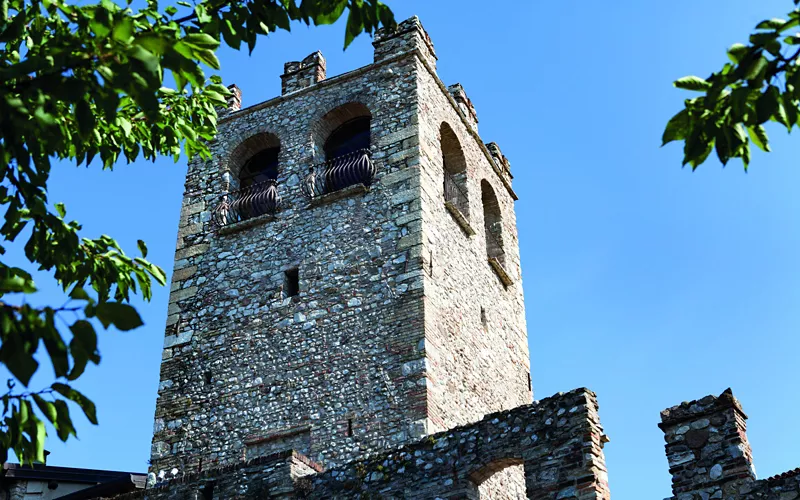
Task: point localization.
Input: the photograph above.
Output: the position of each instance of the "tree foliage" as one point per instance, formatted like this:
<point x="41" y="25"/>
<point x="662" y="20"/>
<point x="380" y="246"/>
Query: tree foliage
<point x="85" y="83"/>
<point x="761" y="83"/>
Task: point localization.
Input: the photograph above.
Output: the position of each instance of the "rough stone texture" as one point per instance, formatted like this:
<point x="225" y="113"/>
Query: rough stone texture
<point x="709" y="455"/>
<point x="385" y="342"/>
<point x="556" y="442"/>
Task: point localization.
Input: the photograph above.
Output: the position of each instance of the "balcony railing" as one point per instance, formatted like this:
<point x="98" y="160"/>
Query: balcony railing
<point x="494" y="247"/>
<point x="246" y="203"/>
<point x="454" y="195"/>
<point x="339" y="173"/>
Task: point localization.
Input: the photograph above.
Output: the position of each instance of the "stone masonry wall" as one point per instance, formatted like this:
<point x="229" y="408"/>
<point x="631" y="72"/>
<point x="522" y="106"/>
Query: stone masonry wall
<point x="401" y="327"/>
<point x="557" y="441"/>
<point x="709" y="455"/>
<point x="242" y="365"/>
<point x="467" y="356"/>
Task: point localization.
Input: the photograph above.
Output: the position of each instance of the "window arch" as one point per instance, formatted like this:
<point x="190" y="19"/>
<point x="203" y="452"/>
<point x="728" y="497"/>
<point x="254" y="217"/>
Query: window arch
<point x="343" y="136"/>
<point x="492" y="223"/>
<point x="254" y="191"/>
<point x="342" y="130"/>
<point x="349" y="137"/>
<point x="454" y="171"/>
<point x="255" y="160"/>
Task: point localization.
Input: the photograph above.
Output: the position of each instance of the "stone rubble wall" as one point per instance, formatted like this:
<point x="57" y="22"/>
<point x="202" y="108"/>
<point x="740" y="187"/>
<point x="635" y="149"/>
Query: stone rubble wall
<point x="240" y="361"/>
<point x="710" y="457"/>
<point x="473" y="368"/>
<point x="558" y="442"/>
<point x="384" y="343"/>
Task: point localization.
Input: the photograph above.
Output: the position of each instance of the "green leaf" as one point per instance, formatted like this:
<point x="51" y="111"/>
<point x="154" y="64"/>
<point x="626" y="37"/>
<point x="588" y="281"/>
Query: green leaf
<point x="142" y="248"/>
<point x="123" y="316"/>
<point x="737" y="51"/>
<point x="758" y="135"/>
<point x="82" y="401"/>
<point x="677" y="127"/>
<point x="47" y="408"/>
<point x="692" y="83"/>
<point x="201" y="41"/>
<point x="123" y="30"/>
<point x="771" y="24"/>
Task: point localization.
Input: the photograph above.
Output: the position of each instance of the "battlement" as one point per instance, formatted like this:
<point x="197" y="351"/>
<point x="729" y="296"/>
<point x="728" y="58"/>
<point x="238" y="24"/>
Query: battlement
<point x="557" y="444"/>
<point x="710" y="457"/>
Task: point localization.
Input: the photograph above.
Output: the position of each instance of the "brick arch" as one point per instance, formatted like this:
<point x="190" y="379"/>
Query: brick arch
<point x="452" y="152"/>
<point x="492" y="222"/>
<point x="454" y="165"/>
<point x="332" y="118"/>
<point x="245" y="149"/>
<point x="500" y="478"/>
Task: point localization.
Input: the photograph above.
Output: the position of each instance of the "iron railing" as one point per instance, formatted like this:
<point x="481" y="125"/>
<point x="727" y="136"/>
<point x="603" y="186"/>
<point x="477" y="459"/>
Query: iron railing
<point x="339" y="173"/>
<point x="246" y="203"/>
<point x="494" y="246"/>
<point x="455" y="195"/>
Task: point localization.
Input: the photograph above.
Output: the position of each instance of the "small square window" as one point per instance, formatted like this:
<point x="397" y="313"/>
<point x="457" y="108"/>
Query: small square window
<point x="291" y="282"/>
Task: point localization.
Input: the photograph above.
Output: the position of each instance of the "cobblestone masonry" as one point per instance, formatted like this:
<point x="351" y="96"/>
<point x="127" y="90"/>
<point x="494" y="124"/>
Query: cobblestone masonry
<point x="709" y="455"/>
<point x="402" y="327"/>
<point x="557" y="441"/>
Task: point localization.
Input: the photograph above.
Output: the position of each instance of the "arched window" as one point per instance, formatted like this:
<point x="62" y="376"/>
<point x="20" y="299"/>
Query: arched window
<point x="455" y="171"/>
<point x="492" y="223"/>
<point x="254" y="190"/>
<point x="343" y="136"/>
<point x="261" y="167"/>
<point x="349" y="137"/>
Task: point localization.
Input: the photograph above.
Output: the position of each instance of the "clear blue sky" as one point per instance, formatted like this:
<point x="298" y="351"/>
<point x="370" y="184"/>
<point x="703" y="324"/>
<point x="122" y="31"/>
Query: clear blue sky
<point x="647" y="283"/>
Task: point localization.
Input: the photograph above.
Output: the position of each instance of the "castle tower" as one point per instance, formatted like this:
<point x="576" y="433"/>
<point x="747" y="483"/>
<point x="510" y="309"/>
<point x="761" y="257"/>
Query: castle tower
<point x="347" y="275"/>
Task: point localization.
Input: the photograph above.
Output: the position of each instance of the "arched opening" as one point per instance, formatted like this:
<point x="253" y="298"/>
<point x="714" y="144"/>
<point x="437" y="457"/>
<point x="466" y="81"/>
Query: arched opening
<point x="500" y="480"/>
<point x="343" y="136"/>
<point x="261" y="167"/>
<point x="455" y="171"/>
<point x="254" y="180"/>
<point x="349" y="137"/>
<point x="492" y="223"/>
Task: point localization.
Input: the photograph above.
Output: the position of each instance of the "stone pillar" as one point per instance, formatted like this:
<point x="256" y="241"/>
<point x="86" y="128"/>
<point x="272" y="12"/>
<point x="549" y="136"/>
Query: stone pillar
<point x="235" y="100"/>
<point x="464" y="104"/>
<point x="299" y="75"/>
<point x="500" y="160"/>
<point x="407" y="36"/>
<point x="707" y="448"/>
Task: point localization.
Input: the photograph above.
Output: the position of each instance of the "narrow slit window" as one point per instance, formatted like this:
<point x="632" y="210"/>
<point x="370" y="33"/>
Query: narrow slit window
<point x="349" y="427"/>
<point x="484" y="321"/>
<point x="529" y="381"/>
<point x="291" y="282"/>
<point x="207" y="376"/>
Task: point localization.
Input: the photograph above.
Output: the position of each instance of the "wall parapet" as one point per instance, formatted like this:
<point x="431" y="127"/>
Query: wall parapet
<point x="710" y="457"/>
<point x="558" y="440"/>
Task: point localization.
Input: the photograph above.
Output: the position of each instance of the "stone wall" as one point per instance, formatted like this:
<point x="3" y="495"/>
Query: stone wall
<point x="386" y="340"/>
<point x="476" y="339"/>
<point x="557" y="441"/>
<point x="242" y="362"/>
<point x="709" y="455"/>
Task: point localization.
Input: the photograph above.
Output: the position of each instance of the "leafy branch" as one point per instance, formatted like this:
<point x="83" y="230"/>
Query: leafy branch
<point x="85" y="84"/>
<point x="761" y="83"/>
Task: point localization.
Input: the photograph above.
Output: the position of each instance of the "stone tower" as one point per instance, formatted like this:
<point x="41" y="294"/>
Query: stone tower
<point x="347" y="274"/>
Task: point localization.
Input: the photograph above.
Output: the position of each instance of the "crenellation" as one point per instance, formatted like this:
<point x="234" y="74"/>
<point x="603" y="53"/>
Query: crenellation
<point x="464" y="104"/>
<point x="302" y="74"/>
<point x="408" y="36"/>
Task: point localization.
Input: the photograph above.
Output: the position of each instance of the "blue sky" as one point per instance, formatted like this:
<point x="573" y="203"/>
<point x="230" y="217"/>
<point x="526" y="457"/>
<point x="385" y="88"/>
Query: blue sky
<point x="643" y="281"/>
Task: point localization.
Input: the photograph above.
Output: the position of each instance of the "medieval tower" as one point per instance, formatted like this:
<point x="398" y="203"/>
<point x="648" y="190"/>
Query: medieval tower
<point x="347" y="274"/>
